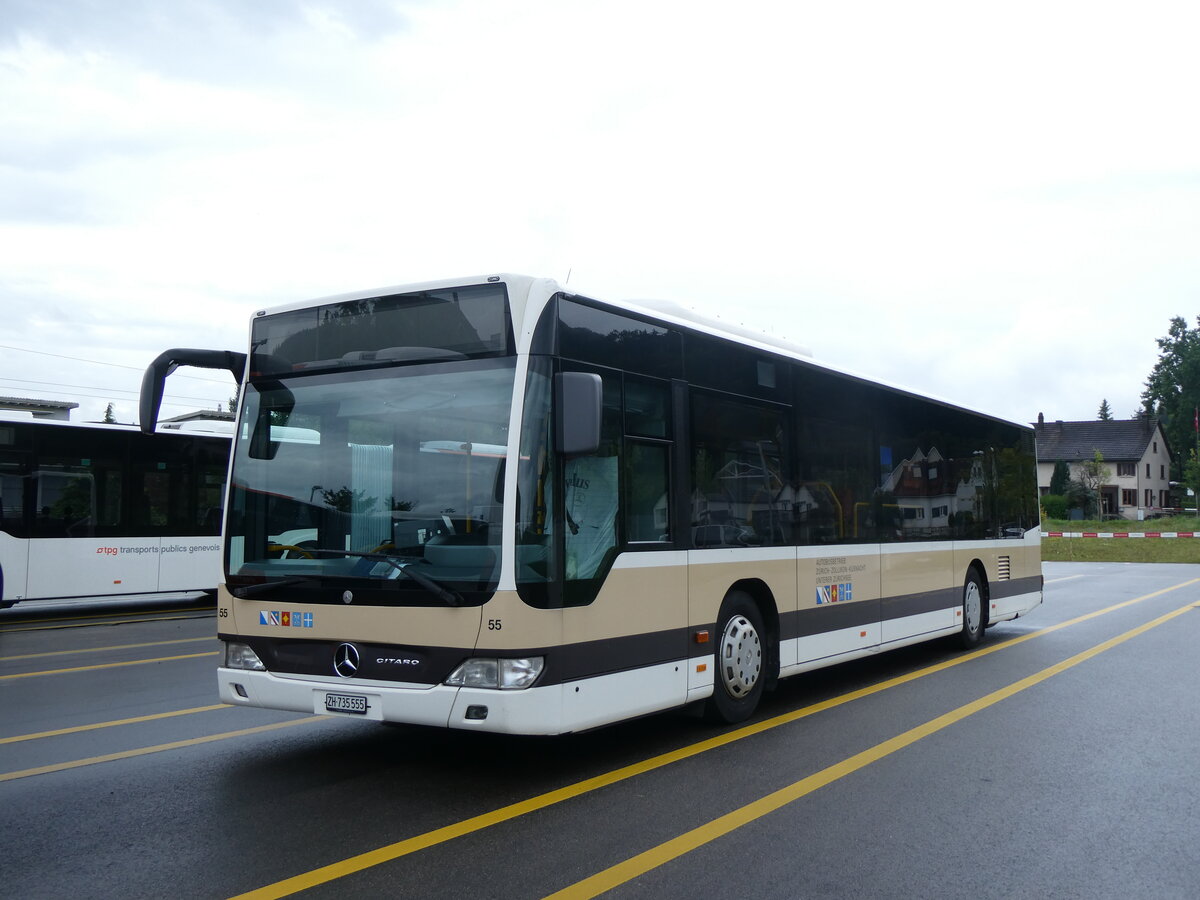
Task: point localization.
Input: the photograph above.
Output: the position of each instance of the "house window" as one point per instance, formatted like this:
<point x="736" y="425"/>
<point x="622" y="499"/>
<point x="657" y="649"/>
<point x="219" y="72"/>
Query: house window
<point x="1162" y="471"/>
<point x="1127" y="469"/>
<point x="1156" y="447"/>
<point x="1149" y="497"/>
<point x="1129" y="497"/>
<point x="1147" y="474"/>
<point x="1163" y="499"/>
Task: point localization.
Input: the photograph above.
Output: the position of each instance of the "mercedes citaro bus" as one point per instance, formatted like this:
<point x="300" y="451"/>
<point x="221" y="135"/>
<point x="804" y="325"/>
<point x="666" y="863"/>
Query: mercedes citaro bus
<point x="497" y="504"/>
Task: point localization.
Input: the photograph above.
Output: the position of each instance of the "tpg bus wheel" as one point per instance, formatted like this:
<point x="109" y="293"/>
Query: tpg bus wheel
<point x="738" y="659"/>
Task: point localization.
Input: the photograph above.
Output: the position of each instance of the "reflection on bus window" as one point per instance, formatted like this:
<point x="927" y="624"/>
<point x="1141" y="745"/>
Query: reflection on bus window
<point x="740" y="496"/>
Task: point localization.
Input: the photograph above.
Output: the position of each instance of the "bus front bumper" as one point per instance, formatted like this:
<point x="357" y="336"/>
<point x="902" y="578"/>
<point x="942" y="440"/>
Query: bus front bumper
<point x="530" y="711"/>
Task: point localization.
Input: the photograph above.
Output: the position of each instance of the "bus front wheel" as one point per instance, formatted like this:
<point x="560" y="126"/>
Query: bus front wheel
<point x="738" y="658"/>
<point x="972" y="611"/>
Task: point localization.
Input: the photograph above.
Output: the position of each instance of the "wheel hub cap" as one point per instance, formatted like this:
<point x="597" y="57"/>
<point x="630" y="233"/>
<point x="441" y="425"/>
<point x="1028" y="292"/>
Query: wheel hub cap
<point x="741" y="657"/>
<point x="974" y="607"/>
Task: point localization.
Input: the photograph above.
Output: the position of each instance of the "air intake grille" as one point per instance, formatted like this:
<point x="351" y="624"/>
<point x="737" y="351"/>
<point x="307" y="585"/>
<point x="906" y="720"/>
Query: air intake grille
<point x="1004" y="568"/>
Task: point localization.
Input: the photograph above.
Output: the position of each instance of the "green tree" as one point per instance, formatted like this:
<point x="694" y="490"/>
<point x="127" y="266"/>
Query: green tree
<point x="1105" y="414"/>
<point x="1191" y="476"/>
<point x="1079" y="497"/>
<point x="1093" y="474"/>
<point x="1059" y="478"/>
<point x="1173" y="388"/>
<point x="1055" y="506"/>
<point x="109" y="417"/>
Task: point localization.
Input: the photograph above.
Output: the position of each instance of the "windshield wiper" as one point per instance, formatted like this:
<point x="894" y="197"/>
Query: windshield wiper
<point x="265" y="587"/>
<point x="447" y="596"/>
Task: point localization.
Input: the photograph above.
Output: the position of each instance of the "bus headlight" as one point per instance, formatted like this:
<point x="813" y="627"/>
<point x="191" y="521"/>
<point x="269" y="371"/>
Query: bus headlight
<point x="240" y="656"/>
<point x="504" y="674"/>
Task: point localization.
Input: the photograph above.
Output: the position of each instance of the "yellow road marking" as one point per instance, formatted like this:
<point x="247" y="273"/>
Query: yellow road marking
<point x="115" y="665"/>
<point x="349" y="866"/>
<point x="158" y="748"/>
<point x="105" y="649"/>
<point x="132" y="721"/>
<point x="636" y="866"/>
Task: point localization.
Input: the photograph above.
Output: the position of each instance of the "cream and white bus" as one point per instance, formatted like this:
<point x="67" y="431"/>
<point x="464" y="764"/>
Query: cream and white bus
<point x="495" y="504"/>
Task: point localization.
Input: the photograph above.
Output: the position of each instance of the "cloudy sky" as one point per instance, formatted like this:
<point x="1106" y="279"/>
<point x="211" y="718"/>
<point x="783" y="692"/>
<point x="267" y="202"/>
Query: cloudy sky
<point x="995" y="203"/>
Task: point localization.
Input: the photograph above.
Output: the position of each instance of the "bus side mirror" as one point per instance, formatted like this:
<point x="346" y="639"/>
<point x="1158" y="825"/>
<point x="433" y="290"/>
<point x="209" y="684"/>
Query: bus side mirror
<point x="578" y="401"/>
<point x="154" y="380"/>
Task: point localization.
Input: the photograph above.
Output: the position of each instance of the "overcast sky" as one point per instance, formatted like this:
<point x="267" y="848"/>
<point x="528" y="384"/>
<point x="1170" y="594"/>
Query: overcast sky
<point x="995" y="203"/>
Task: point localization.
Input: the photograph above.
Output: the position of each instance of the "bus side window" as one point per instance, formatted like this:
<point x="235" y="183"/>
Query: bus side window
<point x="66" y="502"/>
<point x="647" y="470"/>
<point x="647" y="461"/>
<point x="739" y="496"/>
<point x="591" y="495"/>
<point x="591" y="513"/>
<point x="12" y="504"/>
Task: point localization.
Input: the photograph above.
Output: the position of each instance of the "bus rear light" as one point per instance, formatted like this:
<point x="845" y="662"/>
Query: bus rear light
<point x="240" y="656"/>
<point x="502" y="674"/>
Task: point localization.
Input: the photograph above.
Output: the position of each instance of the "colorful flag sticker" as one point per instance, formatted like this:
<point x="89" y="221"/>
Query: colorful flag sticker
<point x="833" y="593"/>
<point x="286" y="619"/>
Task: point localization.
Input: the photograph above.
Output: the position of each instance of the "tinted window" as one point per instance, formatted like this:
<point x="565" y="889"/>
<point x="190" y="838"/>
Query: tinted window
<point x="647" y="408"/>
<point x="471" y="321"/>
<point x="623" y="342"/>
<point x="944" y="473"/>
<point x="738" y="474"/>
<point x="647" y="474"/>
<point x="80" y="482"/>
<point x="834" y="497"/>
<point x="718" y="364"/>
<point x="12" y="493"/>
<point x="832" y="500"/>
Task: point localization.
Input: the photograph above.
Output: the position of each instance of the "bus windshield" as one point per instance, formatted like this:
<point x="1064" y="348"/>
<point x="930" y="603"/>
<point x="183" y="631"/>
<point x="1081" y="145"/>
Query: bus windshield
<point x="347" y="477"/>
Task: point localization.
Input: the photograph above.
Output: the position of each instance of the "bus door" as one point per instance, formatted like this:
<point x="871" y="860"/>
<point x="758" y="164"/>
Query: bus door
<point x="625" y="581"/>
<point x="14" y="526"/>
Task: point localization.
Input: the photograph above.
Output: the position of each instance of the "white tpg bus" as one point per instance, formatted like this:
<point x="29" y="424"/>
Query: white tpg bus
<point x="102" y="510"/>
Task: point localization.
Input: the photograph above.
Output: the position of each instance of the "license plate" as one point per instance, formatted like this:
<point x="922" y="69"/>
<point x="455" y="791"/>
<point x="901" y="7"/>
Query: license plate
<point x="346" y="703"/>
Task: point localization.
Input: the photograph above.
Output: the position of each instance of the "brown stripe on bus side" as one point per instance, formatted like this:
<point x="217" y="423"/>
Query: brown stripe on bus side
<point x="605" y="656"/>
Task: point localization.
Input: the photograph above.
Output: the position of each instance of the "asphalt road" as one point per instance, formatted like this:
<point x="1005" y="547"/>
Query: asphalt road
<point x="1059" y="760"/>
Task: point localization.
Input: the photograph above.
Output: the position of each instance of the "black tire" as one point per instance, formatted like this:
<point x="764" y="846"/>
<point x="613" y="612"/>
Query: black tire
<point x="974" y="610"/>
<point x="739" y="661"/>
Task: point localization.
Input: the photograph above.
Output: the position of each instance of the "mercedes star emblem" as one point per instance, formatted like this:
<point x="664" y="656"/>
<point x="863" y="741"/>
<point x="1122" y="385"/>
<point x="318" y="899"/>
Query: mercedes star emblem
<point x="345" y="660"/>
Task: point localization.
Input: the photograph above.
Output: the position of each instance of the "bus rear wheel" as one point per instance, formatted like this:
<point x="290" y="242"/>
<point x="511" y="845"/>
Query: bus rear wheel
<point x="738" y="657"/>
<point x="972" y="611"/>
